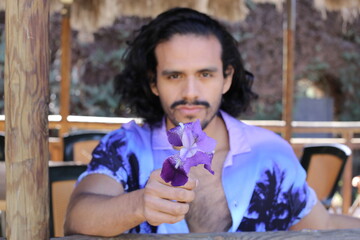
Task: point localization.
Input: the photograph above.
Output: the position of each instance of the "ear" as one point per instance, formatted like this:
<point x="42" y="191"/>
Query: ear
<point x="154" y="88"/>
<point x="229" y="72"/>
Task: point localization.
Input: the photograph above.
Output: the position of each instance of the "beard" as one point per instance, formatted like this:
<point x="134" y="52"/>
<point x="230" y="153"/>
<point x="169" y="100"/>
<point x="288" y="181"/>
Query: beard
<point x="204" y="122"/>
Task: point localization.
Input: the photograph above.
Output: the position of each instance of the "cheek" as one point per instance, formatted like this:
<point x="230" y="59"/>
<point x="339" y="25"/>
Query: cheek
<point x="166" y="97"/>
<point x="214" y="91"/>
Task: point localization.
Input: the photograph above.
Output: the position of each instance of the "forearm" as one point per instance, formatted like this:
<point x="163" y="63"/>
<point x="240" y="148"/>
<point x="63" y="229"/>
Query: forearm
<point x="102" y="215"/>
<point x="319" y="218"/>
<point x="337" y="221"/>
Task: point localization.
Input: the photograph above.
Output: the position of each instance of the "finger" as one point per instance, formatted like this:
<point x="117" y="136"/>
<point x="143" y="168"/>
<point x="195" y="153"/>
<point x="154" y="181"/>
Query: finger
<point x="166" y="206"/>
<point x="156" y="218"/>
<point x="168" y="192"/>
<point x="191" y="184"/>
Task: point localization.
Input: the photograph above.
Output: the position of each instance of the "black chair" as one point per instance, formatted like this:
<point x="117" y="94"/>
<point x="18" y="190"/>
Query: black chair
<point x="79" y="145"/>
<point x="2" y="147"/>
<point x="324" y="164"/>
<point x="62" y="179"/>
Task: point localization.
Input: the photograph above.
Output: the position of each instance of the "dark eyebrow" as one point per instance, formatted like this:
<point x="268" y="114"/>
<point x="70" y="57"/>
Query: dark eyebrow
<point x="211" y="69"/>
<point x="169" y="72"/>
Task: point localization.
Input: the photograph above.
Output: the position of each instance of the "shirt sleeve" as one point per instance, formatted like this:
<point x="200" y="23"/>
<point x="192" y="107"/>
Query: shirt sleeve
<point x="302" y="197"/>
<point x="111" y="158"/>
<point x="296" y="193"/>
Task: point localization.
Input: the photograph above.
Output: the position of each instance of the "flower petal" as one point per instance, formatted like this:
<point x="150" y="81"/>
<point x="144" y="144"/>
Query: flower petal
<point x="188" y="139"/>
<point x="196" y="149"/>
<point x="203" y="142"/>
<point x="206" y="144"/>
<point x="174" y="136"/>
<point x="199" y="158"/>
<point x="177" y="176"/>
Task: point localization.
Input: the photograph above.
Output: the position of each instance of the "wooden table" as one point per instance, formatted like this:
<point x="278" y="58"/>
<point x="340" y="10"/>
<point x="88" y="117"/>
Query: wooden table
<point x="349" y="234"/>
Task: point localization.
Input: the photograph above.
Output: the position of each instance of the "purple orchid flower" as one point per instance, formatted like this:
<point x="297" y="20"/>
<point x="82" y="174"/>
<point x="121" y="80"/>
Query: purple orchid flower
<point x="196" y="148"/>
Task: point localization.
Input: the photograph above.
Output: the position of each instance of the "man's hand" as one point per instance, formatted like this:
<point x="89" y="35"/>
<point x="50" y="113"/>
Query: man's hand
<point x="164" y="203"/>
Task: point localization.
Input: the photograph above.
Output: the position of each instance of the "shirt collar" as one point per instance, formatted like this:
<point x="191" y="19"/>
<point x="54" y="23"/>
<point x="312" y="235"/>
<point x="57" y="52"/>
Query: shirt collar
<point x="237" y="138"/>
<point x="159" y="137"/>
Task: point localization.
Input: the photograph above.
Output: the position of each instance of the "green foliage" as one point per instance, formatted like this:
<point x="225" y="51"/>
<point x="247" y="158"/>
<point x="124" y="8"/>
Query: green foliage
<point x="241" y="36"/>
<point x="264" y="111"/>
<point x="96" y="100"/>
<point x="100" y="58"/>
<point x="350" y="78"/>
<point x="54" y="84"/>
<point x="314" y="69"/>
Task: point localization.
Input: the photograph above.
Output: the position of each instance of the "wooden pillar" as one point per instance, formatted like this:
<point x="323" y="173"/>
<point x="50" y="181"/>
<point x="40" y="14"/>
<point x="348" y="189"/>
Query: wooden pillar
<point x="65" y="82"/>
<point x="288" y="65"/>
<point x="347" y="176"/>
<point x="26" y="123"/>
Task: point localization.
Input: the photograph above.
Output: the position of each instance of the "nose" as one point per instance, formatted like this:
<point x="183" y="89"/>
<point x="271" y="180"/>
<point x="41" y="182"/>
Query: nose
<point x="191" y="89"/>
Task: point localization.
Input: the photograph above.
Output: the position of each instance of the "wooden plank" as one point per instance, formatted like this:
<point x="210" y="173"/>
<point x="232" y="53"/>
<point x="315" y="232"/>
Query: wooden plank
<point x="65" y="82"/>
<point x="347" y="177"/>
<point x="288" y="67"/>
<point x="348" y="234"/>
<point x="26" y="110"/>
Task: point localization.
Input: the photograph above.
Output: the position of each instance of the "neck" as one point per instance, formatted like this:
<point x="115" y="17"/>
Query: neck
<point x="217" y="130"/>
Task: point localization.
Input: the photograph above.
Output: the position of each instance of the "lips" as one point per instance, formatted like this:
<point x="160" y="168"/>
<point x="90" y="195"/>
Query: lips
<point x="189" y="110"/>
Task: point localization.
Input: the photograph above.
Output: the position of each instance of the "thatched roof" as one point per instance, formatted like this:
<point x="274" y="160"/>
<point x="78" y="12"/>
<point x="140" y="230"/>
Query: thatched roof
<point x="89" y="15"/>
<point x="350" y="9"/>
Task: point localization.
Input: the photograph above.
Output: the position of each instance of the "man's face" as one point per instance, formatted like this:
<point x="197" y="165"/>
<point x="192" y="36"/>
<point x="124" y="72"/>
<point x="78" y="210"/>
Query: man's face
<point x="190" y="80"/>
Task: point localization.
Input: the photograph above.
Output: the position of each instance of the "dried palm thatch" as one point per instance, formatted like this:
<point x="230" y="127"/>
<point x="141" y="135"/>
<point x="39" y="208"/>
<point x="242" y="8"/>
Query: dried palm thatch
<point x="350" y="9"/>
<point x="277" y="3"/>
<point x="89" y="15"/>
<point x="55" y="5"/>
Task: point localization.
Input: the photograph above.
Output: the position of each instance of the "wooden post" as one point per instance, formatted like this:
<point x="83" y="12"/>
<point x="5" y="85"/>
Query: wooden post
<point x="26" y="123"/>
<point x="65" y="67"/>
<point x="347" y="176"/>
<point x="288" y="62"/>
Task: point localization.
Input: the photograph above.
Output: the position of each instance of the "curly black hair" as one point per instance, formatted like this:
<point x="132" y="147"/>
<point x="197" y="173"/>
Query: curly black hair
<point x="133" y="83"/>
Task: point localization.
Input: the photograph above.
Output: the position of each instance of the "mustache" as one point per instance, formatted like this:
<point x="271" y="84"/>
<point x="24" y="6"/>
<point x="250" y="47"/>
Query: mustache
<point x="194" y="103"/>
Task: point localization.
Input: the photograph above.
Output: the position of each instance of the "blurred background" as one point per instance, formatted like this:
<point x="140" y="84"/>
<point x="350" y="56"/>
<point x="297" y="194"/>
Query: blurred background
<point x="326" y="67"/>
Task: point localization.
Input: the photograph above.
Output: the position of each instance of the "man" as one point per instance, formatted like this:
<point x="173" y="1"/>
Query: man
<point x="184" y="66"/>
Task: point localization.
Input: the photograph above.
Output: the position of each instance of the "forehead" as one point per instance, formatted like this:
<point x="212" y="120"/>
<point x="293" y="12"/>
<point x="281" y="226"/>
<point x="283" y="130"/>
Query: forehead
<point x="189" y="50"/>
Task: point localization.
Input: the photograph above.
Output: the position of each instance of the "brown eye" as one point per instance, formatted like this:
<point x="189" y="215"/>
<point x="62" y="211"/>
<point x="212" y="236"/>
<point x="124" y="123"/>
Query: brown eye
<point x="206" y="74"/>
<point x="174" y="76"/>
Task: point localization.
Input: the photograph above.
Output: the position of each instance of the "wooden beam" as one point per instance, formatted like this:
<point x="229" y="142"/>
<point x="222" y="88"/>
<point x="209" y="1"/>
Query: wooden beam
<point x="288" y="62"/>
<point x="65" y="82"/>
<point x="26" y="124"/>
<point x="347" y="177"/>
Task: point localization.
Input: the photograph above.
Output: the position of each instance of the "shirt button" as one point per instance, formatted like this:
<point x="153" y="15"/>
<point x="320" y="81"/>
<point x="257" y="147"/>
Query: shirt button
<point x="235" y="204"/>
